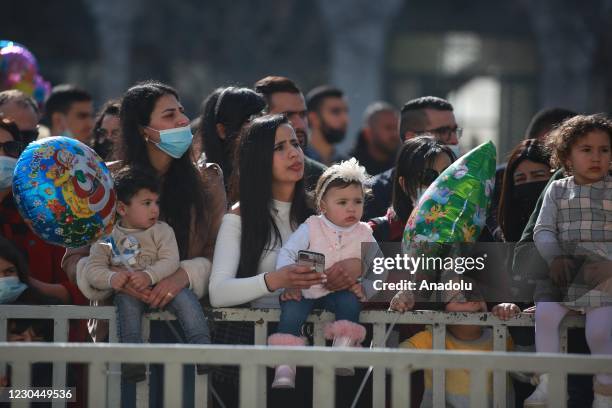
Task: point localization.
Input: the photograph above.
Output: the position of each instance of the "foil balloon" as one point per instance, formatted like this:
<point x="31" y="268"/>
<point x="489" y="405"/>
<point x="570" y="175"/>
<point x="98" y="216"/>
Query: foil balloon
<point x="19" y="70"/>
<point x="454" y="207"/>
<point x="64" y="191"/>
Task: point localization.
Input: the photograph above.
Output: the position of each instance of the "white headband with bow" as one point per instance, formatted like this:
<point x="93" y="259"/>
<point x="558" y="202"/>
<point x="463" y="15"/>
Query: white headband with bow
<point x="348" y="170"/>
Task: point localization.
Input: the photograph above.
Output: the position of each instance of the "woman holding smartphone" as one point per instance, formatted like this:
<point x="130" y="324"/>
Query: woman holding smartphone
<point x="273" y="204"/>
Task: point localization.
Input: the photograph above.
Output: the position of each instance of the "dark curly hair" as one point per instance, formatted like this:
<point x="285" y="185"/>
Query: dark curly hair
<point x="564" y="137"/>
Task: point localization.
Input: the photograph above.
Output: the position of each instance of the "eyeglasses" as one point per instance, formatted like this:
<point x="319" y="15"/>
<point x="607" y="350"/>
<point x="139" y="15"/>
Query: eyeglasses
<point x="12" y="148"/>
<point x="103" y="133"/>
<point x="444" y="133"/>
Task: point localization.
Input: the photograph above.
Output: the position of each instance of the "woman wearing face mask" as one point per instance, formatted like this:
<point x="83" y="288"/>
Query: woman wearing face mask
<point x="526" y="176"/>
<point x="13" y="274"/>
<point x="44" y="260"/>
<point x="11" y="147"/>
<point x="155" y="135"/>
<point x="106" y="130"/>
<point x="15" y="278"/>
<point x="419" y="162"/>
<point x="15" y="290"/>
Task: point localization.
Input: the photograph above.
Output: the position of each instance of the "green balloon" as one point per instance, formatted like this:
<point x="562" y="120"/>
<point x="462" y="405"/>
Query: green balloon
<point x="454" y="207"/>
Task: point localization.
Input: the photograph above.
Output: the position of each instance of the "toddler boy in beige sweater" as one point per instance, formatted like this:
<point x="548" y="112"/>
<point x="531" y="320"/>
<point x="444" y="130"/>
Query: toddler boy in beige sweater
<point x="140" y="252"/>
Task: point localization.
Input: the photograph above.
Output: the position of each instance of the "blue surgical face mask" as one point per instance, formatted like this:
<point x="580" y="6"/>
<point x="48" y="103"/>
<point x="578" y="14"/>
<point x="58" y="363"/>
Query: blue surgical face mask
<point x="7" y="168"/>
<point x="456" y="150"/>
<point x="175" y="142"/>
<point x="10" y="289"/>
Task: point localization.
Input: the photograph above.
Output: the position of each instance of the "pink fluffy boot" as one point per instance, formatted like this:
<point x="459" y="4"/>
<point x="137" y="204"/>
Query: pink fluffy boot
<point x="345" y="334"/>
<point x="284" y="376"/>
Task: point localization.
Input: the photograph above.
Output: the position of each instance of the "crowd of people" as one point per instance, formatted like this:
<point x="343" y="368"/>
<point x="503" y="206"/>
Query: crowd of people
<point x="217" y="211"/>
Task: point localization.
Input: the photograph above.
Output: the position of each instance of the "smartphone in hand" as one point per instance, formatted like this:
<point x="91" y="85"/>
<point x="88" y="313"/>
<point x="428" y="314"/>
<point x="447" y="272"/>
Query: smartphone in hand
<point x="309" y="258"/>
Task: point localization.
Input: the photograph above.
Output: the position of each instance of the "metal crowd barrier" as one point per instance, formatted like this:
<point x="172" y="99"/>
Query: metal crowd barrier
<point x="253" y="366"/>
<point x="322" y="359"/>
<point x="61" y="316"/>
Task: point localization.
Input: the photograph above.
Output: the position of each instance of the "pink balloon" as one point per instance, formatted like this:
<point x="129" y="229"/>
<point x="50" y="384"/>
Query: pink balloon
<point x="19" y="70"/>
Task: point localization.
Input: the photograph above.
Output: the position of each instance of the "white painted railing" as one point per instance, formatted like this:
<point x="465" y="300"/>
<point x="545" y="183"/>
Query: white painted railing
<point x="322" y="359"/>
<point x="61" y="316"/>
<point x="379" y="320"/>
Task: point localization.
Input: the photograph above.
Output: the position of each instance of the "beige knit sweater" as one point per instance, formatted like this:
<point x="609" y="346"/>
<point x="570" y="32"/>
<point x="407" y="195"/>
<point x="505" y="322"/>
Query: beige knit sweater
<point x="156" y="254"/>
<point x="198" y="264"/>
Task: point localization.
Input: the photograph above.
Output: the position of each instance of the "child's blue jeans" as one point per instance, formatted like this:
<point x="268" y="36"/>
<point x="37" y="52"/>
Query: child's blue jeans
<point x="185" y="306"/>
<point x="294" y="313"/>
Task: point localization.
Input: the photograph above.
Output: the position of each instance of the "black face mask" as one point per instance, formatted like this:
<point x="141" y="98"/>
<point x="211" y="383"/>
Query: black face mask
<point x="332" y="135"/>
<point x="524" y="199"/>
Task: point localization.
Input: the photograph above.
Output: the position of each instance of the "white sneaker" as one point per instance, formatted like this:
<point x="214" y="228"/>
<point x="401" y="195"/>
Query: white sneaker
<point x="284" y="377"/>
<point x="602" y="401"/>
<point x="539" y="398"/>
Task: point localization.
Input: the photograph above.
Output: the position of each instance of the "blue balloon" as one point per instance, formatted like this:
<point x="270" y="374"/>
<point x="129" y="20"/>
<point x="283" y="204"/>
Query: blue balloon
<point x="64" y="191"/>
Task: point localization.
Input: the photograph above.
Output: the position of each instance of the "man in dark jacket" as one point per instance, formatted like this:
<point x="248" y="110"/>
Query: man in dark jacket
<point x="378" y="140"/>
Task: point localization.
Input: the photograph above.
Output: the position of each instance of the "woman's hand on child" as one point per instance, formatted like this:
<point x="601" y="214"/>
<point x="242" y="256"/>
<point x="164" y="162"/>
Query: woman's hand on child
<point x="562" y="270"/>
<point x="343" y="274"/>
<point x="166" y="289"/>
<point x="142" y="295"/>
<point x="403" y="301"/>
<point x="505" y="311"/>
<point x="291" y="294"/>
<point x="140" y="280"/>
<point x="119" y="280"/>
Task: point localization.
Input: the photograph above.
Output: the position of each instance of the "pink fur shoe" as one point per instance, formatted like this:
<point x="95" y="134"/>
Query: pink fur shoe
<point x="345" y="334"/>
<point x="284" y="376"/>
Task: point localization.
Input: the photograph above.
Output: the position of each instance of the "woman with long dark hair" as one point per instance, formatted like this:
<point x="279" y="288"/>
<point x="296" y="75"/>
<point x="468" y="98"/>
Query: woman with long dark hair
<point x="155" y="136"/>
<point x="273" y="204"/>
<point x="220" y="132"/>
<point x="419" y="162"/>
